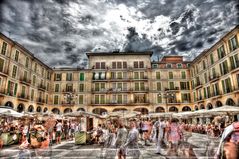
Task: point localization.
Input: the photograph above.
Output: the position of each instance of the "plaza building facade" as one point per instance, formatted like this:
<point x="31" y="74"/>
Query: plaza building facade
<point x="121" y="80"/>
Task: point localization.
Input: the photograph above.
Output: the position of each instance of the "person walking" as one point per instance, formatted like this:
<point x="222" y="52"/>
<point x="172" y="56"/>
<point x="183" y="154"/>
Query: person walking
<point x="58" y="132"/>
<point x="160" y="126"/>
<point x="121" y="139"/>
<point x="131" y="146"/>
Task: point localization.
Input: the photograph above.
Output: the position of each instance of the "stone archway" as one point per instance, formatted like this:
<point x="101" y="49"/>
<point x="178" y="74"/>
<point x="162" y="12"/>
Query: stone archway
<point x="159" y="110"/>
<point x="55" y="111"/>
<point x="119" y="109"/>
<point x="142" y="110"/>
<point x="202" y="106"/>
<point x="99" y="111"/>
<point x="39" y="109"/>
<point x="186" y="108"/>
<point x="196" y="107"/>
<point x="45" y="110"/>
<point x="209" y="106"/>
<point x="20" y="108"/>
<point x="67" y="110"/>
<point x="230" y="102"/>
<point x="173" y="109"/>
<point x="9" y="104"/>
<point x="218" y="103"/>
<point x="30" y="108"/>
<point x="81" y="109"/>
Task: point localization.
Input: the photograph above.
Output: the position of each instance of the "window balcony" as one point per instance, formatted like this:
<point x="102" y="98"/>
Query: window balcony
<point x="4" y="72"/>
<point x="198" y="85"/>
<point x="68" y="90"/>
<point x="23" y="97"/>
<point x="70" y="103"/>
<point x="214" y="77"/>
<point x="42" y="87"/>
<point x="171" y="89"/>
<point x="40" y="101"/>
<point x="25" y="81"/>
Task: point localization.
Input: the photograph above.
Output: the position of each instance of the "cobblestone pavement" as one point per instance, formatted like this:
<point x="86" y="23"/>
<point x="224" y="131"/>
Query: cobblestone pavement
<point x="67" y="149"/>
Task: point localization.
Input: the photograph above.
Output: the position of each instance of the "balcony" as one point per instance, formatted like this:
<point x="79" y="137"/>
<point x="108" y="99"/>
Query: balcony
<point x="120" y="79"/>
<point x="40" y="101"/>
<point x="140" y="90"/>
<point x="68" y="90"/>
<point x="198" y="85"/>
<point x="141" y="79"/>
<point x="115" y="103"/>
<point x="23" y="97"/>
<point x="171" y="89"/>
<point x="25" y="81"/>
<point x="4" y="72"/>
<point x="68" y="104"/>
<point x="214" y="77"/>
<point x="42" y="87"/>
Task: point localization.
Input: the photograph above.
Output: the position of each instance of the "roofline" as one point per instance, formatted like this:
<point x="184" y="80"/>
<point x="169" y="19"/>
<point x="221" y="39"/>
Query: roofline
<point x="24" y="49"/>
<point x="119" y="53"/>
<point x="209" y="49"/>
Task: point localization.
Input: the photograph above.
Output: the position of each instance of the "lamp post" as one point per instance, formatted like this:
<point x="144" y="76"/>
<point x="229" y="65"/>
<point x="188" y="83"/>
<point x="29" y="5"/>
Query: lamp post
<point x="69" y="97"/>
<point x="166" y="96"/>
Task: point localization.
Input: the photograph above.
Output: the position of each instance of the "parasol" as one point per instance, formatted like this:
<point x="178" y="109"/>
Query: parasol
<point x="7" y="111"/>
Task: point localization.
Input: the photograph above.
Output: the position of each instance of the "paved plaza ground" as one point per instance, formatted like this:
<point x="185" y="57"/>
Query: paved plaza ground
<point x="196" y="147"/>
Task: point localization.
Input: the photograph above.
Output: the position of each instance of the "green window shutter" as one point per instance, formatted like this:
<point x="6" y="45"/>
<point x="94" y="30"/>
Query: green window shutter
<point x="1" y="65"/>
<point x="82" y="78"/>
<point x="8" y="87"/>
<point x="15" y="89"/>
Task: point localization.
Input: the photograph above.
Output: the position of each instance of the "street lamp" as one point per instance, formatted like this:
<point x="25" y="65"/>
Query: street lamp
<point x="69" y="97"/>
<point x="167" y="96"/>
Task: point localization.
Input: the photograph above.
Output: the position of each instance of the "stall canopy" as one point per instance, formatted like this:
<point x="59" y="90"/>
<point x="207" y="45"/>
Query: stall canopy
<point x="123" y="114"/>
<point x="81" y="113"/>
<point x="7" y="111"/>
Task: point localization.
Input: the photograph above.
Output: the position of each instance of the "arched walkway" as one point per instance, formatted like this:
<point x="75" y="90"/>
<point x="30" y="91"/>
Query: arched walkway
<point x="186" y="108"/>
<point x="30" y="108"/>
<point x="99" y="111"/>
<point x="202" y="106"/>
<point x="218" y="103"/>
<point x="39" y="109"/>
<point x="55" y="111"/>
<point x="209" y="106"/>
<point x="160" y="110"/>
<point x="20" y="108"/>
<point x="142" y="110"/>
<point x="173" y="109"/>
<point x="230" y="102"/>
<point x="81" y="109"/>
<point x="9" y="104"/>
<point x="196" y="107"/>
<point x="119" y="109"/>
<point x="45" y="110"/>
<point x="67" y="110"/>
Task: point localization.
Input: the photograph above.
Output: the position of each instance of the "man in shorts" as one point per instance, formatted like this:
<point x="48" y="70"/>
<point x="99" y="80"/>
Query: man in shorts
<point x="58" y="132"/>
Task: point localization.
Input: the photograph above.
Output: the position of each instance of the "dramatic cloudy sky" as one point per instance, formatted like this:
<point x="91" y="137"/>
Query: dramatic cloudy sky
<point x="59" y="32"/>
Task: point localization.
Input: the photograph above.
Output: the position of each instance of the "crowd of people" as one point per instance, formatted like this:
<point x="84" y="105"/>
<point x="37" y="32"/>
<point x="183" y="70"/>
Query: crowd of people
<point x="122" y="135"/>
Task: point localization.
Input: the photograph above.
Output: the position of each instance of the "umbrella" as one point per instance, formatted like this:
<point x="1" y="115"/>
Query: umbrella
<point x="155" y="115"/>
<point x="6" y="111"/>
<point x="80" y="114"/>
<point x="123" y="114"/>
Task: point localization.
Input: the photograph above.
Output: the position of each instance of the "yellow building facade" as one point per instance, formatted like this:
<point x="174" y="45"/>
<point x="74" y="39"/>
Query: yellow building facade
<point x="121" y="81"/>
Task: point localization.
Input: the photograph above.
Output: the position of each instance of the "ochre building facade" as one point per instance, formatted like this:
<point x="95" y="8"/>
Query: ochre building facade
<point x="121" y="81"/>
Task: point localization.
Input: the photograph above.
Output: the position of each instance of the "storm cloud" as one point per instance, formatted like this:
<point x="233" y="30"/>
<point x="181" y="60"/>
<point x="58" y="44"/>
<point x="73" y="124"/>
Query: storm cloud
<point x="59" y="32"/>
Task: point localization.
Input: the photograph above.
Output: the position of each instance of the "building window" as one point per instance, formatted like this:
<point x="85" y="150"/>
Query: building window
<point x="237" y="81"/>
<point x="4" y="48"/>
<point x="113" y="65"/>
<point x="221" y="52"/>
<point x="16" y="56"/>
<point x="141" y="64"/>
<point x="119" y="75"/>
<point x="157" y="75"/>
<point x="141" y="75"/>
<point x="119" y="65"/>
<point x="81" y="99"/>
<point x="34" y="80"/>
<point x="211" y="59"/>
<point x="158" y="86"/>
<point x="155" y="66"/>
<point x="124" y="64"/>
<point x="183" y="75"/>
<point x="99" y="99"/>
<point x="226" y="85"/>
<point x="188" y="65"/>
<point x="57" y="87"/>
<point x="168" y="65"/>
<point x="81" y="87"/>
<point x="82" y="76"/>
<point x="35" y="68"/>
<point x="184" y="85"/>
<point x="125" y="100"/>
<point x="224" y="68"/>
<point x="233" y="43"/>
<point x="100" y="65"/>
<point x="136" y="75"/>
<point x="185" y="97"/>
<point x="69" y="76"/>
<point x="14" y="71"/>
<point x="234" y="61"/>
<point x="159" y="98"/>
<point x="47" y="86"/>
<point x="170" y="75"/>
<point x="42" y="72"/>
<point x="179" y="65"/>
<point x="46" y="99"/>
<point x="136" y="64"/>
<point x="203" y="65"/>
<point x="171" y="85"/>
<point x="32" y="94"/>
<point x="56" y="99"/>
<point x="27" y="62"/>
<point x="11" y="90"/>
<point x="1" y="64"/>
<point x="57" y="76"/>
<point x="205" y="77"/>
